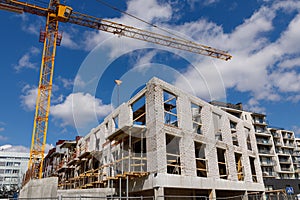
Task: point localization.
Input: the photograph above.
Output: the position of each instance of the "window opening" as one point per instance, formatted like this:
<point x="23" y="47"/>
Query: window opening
<point x="116" y="121"/>
<point x="170" y="109"/>
<point x="247" y="133"/>
<point x="139" y="111"/>
<point x="196" y="118"/>
<point x="253" y="171"/>
<point x="233" y="133"/>
<point x="239" y="166"/>
<point x="200" y="159"/>
<point x="217" y="126"/>
<point x="222" y="163"/>
<point x="173" y="154"/>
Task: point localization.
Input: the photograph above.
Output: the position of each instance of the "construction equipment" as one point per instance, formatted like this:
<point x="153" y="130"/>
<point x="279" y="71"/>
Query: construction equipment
<point x="51" y="38"/>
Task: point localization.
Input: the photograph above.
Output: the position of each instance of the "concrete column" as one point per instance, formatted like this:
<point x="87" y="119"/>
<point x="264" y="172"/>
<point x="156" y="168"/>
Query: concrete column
<point x="245" y="195"/>
<point x="212" y="194"/>
<point x="159" y="193"/>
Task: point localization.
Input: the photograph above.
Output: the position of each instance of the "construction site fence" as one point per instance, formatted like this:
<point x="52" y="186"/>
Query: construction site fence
<point x="169" y="197"/>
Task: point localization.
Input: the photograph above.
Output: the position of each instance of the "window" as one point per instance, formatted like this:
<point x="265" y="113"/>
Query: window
<point x="173" y="154"/>
<point x="217" y="126"/>
<point x="17" y="164"/>
<point x="116" y="121"/>
<point x="1" y="171"/>
<point x="2" y="163"/>
<point x="252" y="165"/>
<point x="239" y="166"/>
<point x="222" y="163"/>
<point x="9" y="164"/>
<point x="196" y="118"/>
<point x="8" y="171"/>
<point x="233" y="133"/>
<point x="15" y="171"/>
<point x="139" y="111"/>
<point x="200" y="159"/>
<point x="170" y="109"/>
<point x="247" y="133"/>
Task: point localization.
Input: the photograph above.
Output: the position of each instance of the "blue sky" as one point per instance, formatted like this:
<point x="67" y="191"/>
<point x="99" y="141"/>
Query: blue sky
<point x="262" y="35"/>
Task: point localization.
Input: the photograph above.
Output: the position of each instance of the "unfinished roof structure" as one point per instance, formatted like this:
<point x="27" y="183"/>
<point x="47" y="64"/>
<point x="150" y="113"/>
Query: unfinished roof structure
<point x="163" y="142"/>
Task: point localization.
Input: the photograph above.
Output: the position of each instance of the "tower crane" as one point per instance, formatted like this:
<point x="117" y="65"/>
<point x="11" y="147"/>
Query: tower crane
<point x="51" y="38"/>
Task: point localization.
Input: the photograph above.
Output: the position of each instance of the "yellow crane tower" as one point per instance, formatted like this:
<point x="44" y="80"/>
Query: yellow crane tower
<point x="55" y="13"/>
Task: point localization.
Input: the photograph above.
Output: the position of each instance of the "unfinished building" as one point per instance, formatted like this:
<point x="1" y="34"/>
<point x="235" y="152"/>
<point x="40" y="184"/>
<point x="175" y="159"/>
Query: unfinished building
<point x="163" y="142"/>
<point x="278" y="150"/>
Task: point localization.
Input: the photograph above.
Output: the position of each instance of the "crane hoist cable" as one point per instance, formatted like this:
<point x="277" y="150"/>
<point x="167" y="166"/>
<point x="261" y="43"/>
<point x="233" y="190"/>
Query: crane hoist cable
<point x="140" y="19"/>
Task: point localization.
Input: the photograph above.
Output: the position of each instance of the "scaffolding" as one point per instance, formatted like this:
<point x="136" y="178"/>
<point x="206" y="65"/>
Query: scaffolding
<point x="122" y="158"/>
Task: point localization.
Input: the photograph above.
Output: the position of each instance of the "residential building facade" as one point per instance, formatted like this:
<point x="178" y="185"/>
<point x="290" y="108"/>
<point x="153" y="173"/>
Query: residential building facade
<point x="163" y="142"/>
<point x="278" y="150"/>
<point x="13" y="165"/>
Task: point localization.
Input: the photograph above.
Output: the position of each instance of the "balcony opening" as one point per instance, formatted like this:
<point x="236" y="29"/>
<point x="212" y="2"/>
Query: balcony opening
<point x="170" y="109"/>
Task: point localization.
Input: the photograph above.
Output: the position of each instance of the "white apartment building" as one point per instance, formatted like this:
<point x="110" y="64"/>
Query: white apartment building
<point x="13" y="165"/>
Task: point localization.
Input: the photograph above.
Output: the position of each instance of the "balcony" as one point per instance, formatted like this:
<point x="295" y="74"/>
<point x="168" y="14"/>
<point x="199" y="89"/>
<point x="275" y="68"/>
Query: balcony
<point x="264" y="142"/>
<point x="269" y="174"/>
<point x="285" y="161"/>
<point x="284" y="152"/>
<point x="289" y="145"/>
<point x="286" y="169"/>
<point x="259" y="121"/>
<point x="276" y="135"/>
<point x="278" y="143"/>
<point x="267" y="163"/>
<point x="288" y="136"/>
<point x="265" y="151"/>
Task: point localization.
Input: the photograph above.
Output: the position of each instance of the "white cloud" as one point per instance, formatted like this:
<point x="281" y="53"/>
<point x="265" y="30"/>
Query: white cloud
<point x="23" y="149"/>
<point x="142" y="61"/>
<point x="25" y="61"/>
<point x="48" y="147"/>
<point x="17" y="148"/>
<point x="2" y="138"/>
<point x="149" y="10"/>
<point x="1" y="126"/>
<point x="67" y="83"/>
<point x="68" y="41"/>
<point x="79" y="110"/>
<point x="294" y="98"/>
<point x="256" y="63"/>
<point x="28" y="98"/>
<point x="296" y="130"/>
<point x="209" y="2"/>
<point x="286" y="81"/>
<point x="253" y="106"/>
<point x="290" y="63"/>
